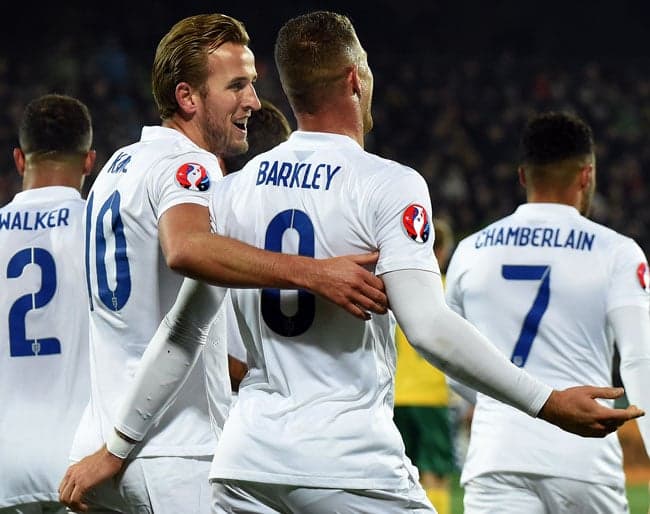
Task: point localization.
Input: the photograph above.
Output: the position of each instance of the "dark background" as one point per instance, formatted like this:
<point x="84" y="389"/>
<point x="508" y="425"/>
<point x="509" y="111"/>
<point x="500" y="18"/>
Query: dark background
<point x="454" y="84"/>
<point x="557" y="28"/>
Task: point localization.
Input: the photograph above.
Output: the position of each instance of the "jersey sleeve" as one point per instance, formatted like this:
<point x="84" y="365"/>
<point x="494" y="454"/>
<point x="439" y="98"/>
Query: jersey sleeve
<point x="629" y="277"/>
<point x="188" y="178"/>
<point x="453" y="291"/>
<point x="219" y="203"/>
<point x="404" y="229"/>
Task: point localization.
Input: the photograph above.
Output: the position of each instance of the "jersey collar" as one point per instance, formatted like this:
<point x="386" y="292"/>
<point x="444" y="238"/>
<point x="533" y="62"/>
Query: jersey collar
<point x="322" y="139"/>
<point x="548" y="208"/>
<point x="150" y="133"/>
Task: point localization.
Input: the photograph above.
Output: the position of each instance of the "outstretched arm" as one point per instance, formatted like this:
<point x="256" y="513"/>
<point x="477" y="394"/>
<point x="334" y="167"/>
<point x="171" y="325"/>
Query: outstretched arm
<point x="191" y="250"/>
<point x="631" y="327"/>
<point x="164" y="368"/>
<point x="456" y="347"/>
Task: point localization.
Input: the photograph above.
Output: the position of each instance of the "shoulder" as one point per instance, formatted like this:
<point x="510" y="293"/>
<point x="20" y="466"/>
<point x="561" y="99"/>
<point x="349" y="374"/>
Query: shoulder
<point x="186" y="154"/>
<point x="613" y="242"/>
<point x="171" y="153"/>
<point x="377" y="165"/>
<point x="77" y="204"/>
<point x="387" y="177"/>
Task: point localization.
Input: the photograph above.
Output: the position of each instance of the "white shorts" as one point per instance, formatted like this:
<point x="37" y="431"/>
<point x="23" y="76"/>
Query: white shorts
<point x="514" y="493"/>
<point x="160" y="485"/>
<point x="230" y="496"/>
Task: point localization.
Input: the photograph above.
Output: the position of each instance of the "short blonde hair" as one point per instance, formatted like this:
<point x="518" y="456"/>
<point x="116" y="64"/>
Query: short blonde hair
<point x="182" y="55"/>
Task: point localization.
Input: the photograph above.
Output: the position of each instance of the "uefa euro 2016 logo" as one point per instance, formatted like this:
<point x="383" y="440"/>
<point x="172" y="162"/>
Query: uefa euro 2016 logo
<point x="193" y="176"/>
<point x="416" y="223"/>
<point x="643" y="274"/>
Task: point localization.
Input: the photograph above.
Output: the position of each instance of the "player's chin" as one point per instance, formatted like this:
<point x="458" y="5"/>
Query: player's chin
<point x="238" y="146"/>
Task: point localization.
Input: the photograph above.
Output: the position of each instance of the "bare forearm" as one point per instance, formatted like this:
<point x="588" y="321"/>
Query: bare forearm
<point x="192" y="249"/>
<point x="228" y="262"/>
<point x="198" y="253"/>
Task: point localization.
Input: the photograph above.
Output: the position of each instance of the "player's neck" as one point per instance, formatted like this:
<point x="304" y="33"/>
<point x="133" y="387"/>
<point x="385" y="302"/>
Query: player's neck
<point x="560" y="197"/>
<point x="333" y="119"/>
<point x="52" y="176"/>
<point x="65" y="180"/>
<point x="186" y="128"/>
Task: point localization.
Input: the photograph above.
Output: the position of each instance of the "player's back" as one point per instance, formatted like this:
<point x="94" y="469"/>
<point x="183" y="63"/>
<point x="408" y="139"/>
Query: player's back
<point x="539" y="284"/>
<point x="320" y="381"/>
<point x="44" y="377"/>
<point x="131" y="287"/>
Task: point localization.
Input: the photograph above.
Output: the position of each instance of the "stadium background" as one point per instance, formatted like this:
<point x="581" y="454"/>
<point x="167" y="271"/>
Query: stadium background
<point x="454" y="85"/>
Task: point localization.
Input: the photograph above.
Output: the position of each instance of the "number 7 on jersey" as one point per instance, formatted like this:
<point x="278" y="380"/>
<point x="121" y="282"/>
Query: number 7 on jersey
<point x="537" y="310"/>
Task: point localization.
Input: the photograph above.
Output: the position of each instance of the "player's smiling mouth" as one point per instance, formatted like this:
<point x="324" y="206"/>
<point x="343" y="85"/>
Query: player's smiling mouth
<point x="241" y="124"/>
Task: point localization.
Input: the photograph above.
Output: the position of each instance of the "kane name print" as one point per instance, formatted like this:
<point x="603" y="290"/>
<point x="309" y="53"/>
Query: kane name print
<point x="542" y="237"/>
<point x="303" y="175"/>
<point x="34" y="220"/>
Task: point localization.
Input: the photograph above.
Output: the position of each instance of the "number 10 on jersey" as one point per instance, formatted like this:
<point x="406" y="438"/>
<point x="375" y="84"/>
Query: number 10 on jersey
<point x="113" y="298"/>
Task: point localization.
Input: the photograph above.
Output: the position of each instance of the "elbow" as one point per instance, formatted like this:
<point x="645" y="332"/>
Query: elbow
<point x="421" y="340"/>
<point x="180" y="260"/>
<point x="432" y="342"/>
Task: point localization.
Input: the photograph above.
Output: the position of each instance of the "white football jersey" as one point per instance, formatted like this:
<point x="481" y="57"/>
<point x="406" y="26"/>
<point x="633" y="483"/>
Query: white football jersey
<point x="44" y="377"/>
<point x="539" y="284"/>
<point x="131" y="287"/>
<point x="316" y="407"/>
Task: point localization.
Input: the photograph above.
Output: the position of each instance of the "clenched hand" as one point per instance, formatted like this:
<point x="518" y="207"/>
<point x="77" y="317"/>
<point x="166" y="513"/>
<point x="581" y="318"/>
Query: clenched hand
<point x="86" y="474"/>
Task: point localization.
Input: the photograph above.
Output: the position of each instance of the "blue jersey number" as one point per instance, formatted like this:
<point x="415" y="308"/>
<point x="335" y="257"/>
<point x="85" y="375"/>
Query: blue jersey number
<point x="289" y="326"/>
<point x="113" y="299"/>
<point x="19" y="345"/>
<point x="540" y="304"/>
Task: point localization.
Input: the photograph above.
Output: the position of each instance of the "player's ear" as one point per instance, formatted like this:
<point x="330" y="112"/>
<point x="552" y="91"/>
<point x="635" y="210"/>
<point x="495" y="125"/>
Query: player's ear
<point x="586" y="176"/>
<point x="185" y="98"/>
<point x="522" y="176"/>
<point x="352" y="78"/>
<point x="89" y="162"/>
<point x="19" y="160"/>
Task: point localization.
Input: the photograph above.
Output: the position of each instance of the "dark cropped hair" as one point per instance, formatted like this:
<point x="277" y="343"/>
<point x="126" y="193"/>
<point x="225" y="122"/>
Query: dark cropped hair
<point x="55" y="123"/>
<point x="555" y="136"/>
<point x="182" y="55"/>
<point x="311" y="53"/>
<point x="267" y="127"/>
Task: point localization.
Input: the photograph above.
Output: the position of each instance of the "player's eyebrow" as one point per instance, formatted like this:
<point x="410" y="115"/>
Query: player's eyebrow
<point x="242" y="78"/>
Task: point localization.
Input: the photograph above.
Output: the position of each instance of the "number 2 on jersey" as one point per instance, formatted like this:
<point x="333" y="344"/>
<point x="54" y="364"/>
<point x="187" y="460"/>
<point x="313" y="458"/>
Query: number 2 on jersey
<point x="537" y="310"/>
<point x="19" y="345"/>
<point x="289" y="326"/>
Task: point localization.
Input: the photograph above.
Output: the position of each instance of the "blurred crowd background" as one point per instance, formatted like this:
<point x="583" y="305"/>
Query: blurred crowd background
<point x="454" y="84"/>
